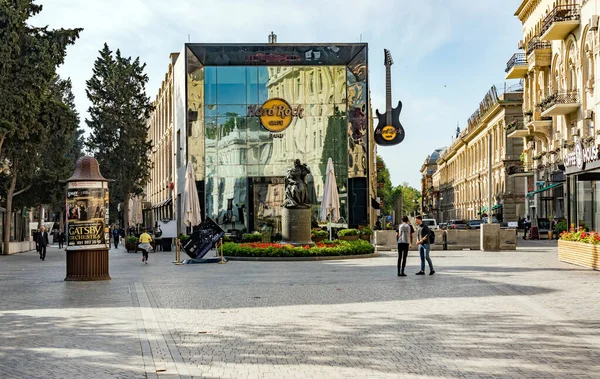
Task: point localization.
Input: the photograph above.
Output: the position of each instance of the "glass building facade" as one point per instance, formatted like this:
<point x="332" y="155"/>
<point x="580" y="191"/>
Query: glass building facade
<point x="240" y="165"/>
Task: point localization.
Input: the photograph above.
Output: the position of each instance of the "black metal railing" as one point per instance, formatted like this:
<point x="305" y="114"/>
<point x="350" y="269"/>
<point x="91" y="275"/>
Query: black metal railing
<point x="514" y="125"/>
<point x="561" y="13"/>
<point x="536" y="44"/>
<point x="566" y="97"/>
<point x="518" y="59"/>
<point x="520" y="169"/>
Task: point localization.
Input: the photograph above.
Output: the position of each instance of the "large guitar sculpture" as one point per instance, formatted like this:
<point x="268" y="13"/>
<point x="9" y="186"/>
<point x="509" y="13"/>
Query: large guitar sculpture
<point x="389" y="131"/>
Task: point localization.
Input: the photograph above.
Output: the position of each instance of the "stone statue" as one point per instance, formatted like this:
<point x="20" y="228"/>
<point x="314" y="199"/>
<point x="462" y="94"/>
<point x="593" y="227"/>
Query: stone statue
<point x="296" y="189"/>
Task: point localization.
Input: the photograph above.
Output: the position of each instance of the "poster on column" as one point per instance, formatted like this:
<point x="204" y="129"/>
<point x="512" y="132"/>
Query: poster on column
<point x="87" y="214"/>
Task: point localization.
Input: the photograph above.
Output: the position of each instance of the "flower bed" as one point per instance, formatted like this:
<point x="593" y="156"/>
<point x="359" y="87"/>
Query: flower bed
<point x="321" y="249"/>
<point x="580" y="248"/>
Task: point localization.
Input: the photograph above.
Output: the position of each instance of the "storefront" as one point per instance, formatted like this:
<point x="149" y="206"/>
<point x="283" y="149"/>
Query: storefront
<point x="582" y="168"/>
<point x="244" y="113"/>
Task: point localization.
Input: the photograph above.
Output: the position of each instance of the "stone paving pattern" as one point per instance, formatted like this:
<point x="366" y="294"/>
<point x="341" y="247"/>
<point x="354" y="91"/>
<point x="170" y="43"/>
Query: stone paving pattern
<point x="513" y="314"/>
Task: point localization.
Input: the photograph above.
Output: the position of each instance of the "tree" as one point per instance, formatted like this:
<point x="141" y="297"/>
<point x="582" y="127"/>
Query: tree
<point x="117" y="120"/>
<point x="60" y="149"/>
<point x="409" y="195"/>
<point x="385" y="193"/>
<point x="28" y="60"/>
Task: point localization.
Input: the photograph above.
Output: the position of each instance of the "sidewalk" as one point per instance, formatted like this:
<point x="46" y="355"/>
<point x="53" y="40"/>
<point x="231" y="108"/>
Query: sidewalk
<point x="519" y="314"/>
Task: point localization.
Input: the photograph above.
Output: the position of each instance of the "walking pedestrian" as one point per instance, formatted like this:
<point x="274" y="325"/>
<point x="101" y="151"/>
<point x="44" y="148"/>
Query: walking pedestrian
<point x="145" y="240"/>
<point x="526" y="226"/>
<point x="43" y="242"/>
<point x="116" y="236"/>
<point x="423" y="232"/>
<point x="61" y="238"/>
<point x="405" y="237"/>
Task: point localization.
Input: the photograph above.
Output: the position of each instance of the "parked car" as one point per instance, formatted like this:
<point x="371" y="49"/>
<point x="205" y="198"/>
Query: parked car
<point x="431" y="223"/>
<point x="458" y="224"/>
<point x="475" y="224"/>
<point x="443" y="225"/>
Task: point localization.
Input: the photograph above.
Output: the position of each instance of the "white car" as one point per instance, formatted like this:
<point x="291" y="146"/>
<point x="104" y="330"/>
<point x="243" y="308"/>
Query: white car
<point x="431" y="223"/>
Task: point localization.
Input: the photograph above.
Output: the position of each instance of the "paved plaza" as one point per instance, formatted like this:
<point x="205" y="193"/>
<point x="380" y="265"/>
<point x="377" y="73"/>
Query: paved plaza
<point x="483" y="315"/>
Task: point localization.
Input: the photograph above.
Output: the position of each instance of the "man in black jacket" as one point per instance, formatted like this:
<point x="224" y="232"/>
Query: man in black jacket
<point x="424" y="245"/>
<point x="42" y="242"/>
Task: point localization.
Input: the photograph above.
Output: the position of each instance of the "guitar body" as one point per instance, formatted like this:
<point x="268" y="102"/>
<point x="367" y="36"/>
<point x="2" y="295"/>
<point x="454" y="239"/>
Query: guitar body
<point x="392" y="133"/>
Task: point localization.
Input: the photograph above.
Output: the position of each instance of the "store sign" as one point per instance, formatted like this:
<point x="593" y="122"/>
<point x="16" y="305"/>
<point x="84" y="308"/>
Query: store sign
<point x="87" y="216"/>
<point x="275" y="114"/>
<point x="581" y="155"/>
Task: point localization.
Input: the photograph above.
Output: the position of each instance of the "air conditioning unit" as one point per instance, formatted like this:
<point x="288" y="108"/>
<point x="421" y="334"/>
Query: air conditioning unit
<point x="521" y="45"/>
<point x="588" y="114"/>
<point x="594" y="23"/>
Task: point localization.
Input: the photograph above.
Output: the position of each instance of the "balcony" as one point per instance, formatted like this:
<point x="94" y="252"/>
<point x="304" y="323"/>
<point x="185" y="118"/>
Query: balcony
<point x="560" y="22"/>
<point x="560" y="103"/>
<point x="539" y="53"/>
<point x="520" y="170"/>
<point x="516" y="67"/>
<point x="538" y="125"/>
<point x="516" y="129"/>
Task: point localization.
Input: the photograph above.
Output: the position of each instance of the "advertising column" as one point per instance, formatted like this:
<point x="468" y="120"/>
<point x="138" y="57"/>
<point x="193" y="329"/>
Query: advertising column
<point x="88" y="240"/>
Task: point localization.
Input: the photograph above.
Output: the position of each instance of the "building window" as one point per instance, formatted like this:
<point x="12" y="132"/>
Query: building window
<point x="314" y="140"/>
<point x="178" y="149"/>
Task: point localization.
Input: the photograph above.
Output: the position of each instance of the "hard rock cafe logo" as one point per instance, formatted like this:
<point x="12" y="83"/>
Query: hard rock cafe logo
<point x="581" y="155"/>
<point x="388" y="133"/>
<point x="275" y="114"/>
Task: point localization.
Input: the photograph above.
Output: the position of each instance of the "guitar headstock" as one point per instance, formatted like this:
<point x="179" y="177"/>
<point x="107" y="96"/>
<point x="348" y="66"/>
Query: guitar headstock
<point x="387" y="58"/>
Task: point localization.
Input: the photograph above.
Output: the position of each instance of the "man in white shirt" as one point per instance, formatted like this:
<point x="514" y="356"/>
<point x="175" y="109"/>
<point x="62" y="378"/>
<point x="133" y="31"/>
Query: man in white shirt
<point x="405" y="237"/>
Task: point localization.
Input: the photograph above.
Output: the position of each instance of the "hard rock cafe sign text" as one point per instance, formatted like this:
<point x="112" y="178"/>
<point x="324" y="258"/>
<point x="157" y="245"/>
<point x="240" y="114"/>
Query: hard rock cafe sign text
<point x="275" y="114"/>
<point x="581" y="155"/>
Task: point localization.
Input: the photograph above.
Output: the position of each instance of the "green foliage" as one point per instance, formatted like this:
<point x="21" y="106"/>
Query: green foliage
<point x="117" y="118"/>
<point x="348" y="232"/>
<point x="252" y="237"/>
<point x="366" y="231"/>
<point x="183" y="237"/>
<point x="561" y="226"/>
<point x="319" y="233"/>
<point x="336" y="135"/>
<point x="132" y="239"/>
<point x="336" y="248"/>
<point x="385" y="193"/>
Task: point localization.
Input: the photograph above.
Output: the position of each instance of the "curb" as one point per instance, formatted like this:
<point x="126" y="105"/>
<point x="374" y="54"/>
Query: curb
<point x="289" y="259"/>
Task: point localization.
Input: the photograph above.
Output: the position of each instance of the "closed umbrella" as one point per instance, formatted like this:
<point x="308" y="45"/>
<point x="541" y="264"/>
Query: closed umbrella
<point x="191" y="204"/>
<point x="330" y="205"/>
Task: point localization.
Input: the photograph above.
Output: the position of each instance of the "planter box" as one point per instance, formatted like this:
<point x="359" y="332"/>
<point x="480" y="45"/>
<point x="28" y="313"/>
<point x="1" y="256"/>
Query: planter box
<point x="579" y="253"/>
<point x="366" y="237"/>
<point x="318" y="239"/>
<point x="348" y="238"/>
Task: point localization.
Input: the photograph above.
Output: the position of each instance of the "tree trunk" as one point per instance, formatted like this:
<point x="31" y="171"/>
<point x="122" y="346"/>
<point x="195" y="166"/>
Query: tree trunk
<point x="126" y="214"/>
<point x="2" y="138"/>
<point x="9" y="201"/>
<point x="41" y="219"/>
<point x="62" y="221"/>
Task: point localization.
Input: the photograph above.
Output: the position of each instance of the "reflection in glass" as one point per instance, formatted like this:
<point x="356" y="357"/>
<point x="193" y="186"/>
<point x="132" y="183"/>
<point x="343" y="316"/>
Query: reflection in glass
<point x="231" y="85"/>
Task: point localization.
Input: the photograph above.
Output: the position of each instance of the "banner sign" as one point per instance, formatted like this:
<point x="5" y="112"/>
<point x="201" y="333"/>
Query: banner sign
<point x="87" y="215"/>
<point x="203" y="239"/>
<point x="581" y="155"/>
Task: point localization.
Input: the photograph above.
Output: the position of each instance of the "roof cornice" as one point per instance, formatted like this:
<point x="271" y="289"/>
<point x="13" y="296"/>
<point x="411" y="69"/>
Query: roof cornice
<point x="526" y="8"/>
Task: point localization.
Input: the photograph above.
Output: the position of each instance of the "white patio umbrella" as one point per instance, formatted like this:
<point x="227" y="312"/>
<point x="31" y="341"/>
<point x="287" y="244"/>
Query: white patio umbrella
<point x="330" y="205"/>
<point x="191" y="205"/>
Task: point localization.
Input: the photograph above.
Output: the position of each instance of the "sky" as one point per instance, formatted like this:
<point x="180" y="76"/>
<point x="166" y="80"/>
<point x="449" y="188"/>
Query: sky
<point x="447" y="53"/>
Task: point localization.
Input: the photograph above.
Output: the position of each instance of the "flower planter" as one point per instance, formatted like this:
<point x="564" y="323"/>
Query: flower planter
<point x="347" y="238"/>
<point x="131" y="247"/>
<point x="366" y="237"/>
<point x="579" y="253"/>
<point x="318" y="239"/>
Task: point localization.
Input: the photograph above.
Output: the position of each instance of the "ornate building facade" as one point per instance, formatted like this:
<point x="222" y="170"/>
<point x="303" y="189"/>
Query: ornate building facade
<point x="459" y="185"/>
<point x="558" y="65"/>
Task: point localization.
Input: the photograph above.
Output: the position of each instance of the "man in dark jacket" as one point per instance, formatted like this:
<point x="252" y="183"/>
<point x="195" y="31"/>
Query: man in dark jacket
<point x="424" y="245"/>
<point x="61" y="239"/>
<point x="42" y="242"/>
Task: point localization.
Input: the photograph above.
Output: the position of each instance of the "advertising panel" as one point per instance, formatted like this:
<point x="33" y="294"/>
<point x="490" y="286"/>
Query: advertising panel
<point x="87" y="215"/>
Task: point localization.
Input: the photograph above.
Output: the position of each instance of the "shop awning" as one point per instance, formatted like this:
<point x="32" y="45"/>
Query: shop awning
<point x="169" y="201"/>
<point x="483" y="209"/>
<point x="496" y="206"/>
<point x="543" y="189"/>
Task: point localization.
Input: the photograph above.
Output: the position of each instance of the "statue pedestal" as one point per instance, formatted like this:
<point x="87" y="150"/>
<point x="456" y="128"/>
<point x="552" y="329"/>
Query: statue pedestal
<point x="295" y="227"/>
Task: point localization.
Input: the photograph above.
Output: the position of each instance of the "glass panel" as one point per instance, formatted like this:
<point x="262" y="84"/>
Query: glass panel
<point x="210" y="85"/>
<point x="231" y="85"/>
<point x="195" y="127"/>
<point x="584" y="205"/>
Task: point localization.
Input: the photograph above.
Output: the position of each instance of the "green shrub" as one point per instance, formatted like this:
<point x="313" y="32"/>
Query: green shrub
<point x="319" y="233"/>
<point x="561" y="227"/>
<point x="366" y="231"/>
<point x="227" y="239"/>
<point x="132" y="239"/>
<point x="348" y="232"/>
<point x="263" y="249"/>
<point x="183" y="237"/>
<point x="252" y="237"/>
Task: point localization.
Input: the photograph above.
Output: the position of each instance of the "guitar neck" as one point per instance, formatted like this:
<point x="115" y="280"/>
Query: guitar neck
<point x="388" y="93"/>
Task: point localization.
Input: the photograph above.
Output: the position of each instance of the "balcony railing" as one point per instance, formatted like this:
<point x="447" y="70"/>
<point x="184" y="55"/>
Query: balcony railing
<point x="560" y="13"/>
<point x="565" y="97"/>
<point x="536" y="44"/>
<point x="522" y="169"/>
<point x="514" y="125"/>
<point x="518" y="59"/>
